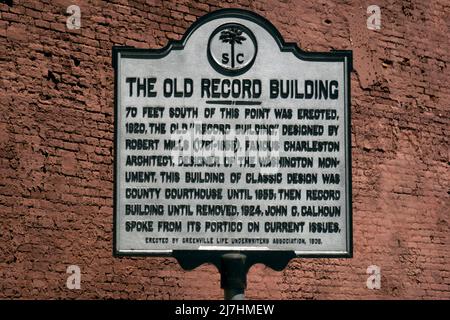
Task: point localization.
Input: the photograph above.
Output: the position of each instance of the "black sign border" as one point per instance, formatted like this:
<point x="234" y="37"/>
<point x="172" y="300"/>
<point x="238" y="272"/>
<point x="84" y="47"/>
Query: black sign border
<point x="277" y="260"/>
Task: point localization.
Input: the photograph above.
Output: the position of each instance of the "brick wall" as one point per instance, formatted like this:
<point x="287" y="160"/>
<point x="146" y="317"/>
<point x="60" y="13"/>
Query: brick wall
<point x="56" y="149"/>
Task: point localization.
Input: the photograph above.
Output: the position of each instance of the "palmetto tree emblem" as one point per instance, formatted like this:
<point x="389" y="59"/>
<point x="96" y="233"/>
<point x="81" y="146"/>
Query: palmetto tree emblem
<point x="232" y="35"/>
<point x="242" y="43"/>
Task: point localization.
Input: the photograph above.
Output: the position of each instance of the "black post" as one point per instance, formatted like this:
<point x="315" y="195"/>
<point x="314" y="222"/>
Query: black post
<point x="233" y="275"/>
<point x="233" y="266"/>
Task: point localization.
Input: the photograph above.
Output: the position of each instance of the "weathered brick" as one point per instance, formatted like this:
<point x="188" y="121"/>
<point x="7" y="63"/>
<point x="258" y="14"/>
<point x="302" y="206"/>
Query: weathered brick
<point x="17" y="32"/>
<point x="56" y="150"/>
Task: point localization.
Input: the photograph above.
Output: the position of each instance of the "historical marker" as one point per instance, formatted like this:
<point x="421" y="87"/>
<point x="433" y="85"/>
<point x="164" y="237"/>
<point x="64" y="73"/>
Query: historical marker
<point x="232" y="140"/>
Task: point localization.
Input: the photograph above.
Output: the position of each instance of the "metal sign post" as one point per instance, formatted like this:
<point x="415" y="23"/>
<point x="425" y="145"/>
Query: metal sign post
<point x="233" y="266"/>
<point x="232" y="147"/>
<point x="233" y="276"/>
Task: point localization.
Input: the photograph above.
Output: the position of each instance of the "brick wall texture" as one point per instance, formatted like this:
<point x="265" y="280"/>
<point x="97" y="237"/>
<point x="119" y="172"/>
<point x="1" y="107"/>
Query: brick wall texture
<point x="56" y="149"/>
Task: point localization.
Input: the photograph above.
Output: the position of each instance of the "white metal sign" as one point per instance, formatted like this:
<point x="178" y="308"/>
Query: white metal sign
<point x="231" y="139"/>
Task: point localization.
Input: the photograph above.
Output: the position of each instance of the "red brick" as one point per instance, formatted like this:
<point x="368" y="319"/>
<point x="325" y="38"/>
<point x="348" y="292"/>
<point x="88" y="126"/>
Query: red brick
<point x="56" y="142"/>
<point x="17" y="32"/>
